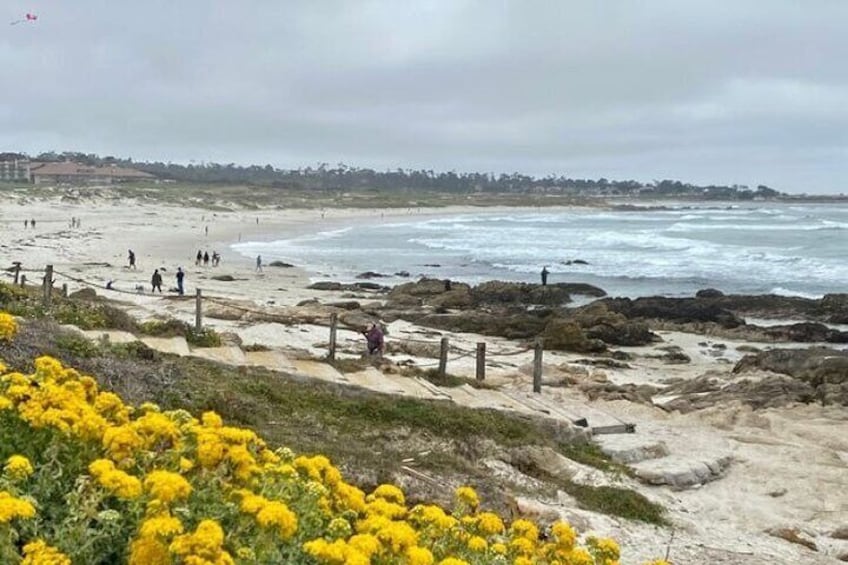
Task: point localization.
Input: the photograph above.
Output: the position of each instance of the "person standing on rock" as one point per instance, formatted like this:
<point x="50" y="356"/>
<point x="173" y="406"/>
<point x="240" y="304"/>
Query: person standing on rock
<point x="156" y="281"/>
<point x="180" y="277"/>
<point x="374" y="337"/>
<point x="545" y="275"/>
<point x="131" y="258"/>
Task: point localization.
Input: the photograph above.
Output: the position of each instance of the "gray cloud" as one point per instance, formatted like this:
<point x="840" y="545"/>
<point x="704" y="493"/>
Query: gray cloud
<point x="745" y="91"/>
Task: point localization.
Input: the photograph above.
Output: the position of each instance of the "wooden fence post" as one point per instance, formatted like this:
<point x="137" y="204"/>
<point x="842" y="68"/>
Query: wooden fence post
<point x="64" y="290"/>
<point x="334" y="324"/>
<point x="481" y="361"/>
<point x="198" y="311"/>
<point x="537" y="366"/>
<point x="48" y="285"/>
<point x="23" y="281"/>
<point x="443" y="357"/>
<point x="17" y="272"/>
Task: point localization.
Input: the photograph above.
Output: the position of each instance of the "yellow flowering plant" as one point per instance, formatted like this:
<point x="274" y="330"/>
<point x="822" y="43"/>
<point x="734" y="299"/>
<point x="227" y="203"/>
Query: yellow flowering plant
<point x="8" y="326"/>
<point x="88" y="479"/>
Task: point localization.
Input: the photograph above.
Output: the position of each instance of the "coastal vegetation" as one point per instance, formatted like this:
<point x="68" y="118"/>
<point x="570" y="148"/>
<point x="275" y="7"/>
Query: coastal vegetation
<point x="89" y="478"/>
<point x="350" y="179"/>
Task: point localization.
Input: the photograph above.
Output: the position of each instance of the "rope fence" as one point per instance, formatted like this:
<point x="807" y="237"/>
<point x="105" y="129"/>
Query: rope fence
<point x="48" y="280"/>
<point x="445" y="348"/>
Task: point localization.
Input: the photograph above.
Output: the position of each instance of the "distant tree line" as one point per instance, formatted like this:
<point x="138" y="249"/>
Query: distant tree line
<point x="342" y="177"/>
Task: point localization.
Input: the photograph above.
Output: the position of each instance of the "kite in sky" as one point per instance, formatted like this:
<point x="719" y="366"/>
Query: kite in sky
<point x="27" y="18"/>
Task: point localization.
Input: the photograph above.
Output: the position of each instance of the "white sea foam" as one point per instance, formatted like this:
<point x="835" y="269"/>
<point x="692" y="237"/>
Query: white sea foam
<point x="790" y="292"/>
<point x="745" y="249"/>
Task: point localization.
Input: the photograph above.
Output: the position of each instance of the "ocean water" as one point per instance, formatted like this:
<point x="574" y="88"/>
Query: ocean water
<point x="797" y="249"/>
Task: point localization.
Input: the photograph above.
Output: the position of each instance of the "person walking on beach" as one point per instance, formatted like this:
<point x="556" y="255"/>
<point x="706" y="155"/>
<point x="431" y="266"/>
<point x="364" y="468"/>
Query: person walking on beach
<point x="545" y="275"/>
<point x="216" y="259"/>
<point x="32" y="223"/>
<point x="198" y="258"/>
<point x="156" y="281"/>
<point x="374" y="337"/>
<point x="259" y="263"/>
<point x="131" y="258"/>
<point x="26" y="224"/>
<point x="180" y="277"/>
<point x="206" y="259"/>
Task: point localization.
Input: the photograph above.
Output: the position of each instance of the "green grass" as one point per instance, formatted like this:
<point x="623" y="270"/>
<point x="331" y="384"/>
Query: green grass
<point x="371" y="436"/>
<point x="613" y="501"/>
<point x="590" y="454"/>
<point x="206" y="337"/>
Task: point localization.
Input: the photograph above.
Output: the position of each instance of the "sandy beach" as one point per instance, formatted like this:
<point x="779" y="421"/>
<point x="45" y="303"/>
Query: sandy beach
<point x="780" y="468"/>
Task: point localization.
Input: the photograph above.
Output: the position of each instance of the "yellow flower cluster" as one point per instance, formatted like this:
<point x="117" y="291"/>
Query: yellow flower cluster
<point x="196" y="492"/>
<point x="39" y="553"/>
<point x="18" y="468"/>
<point x="204" y="546"/>
<point x="167" y="486"/>
<point x="119" y="483"/>
<point x="8" y="326"/>
<point x="12" y="508"/>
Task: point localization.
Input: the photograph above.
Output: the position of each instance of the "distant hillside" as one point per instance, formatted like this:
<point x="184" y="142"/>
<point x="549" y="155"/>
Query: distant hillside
<point x="347" y="178"/>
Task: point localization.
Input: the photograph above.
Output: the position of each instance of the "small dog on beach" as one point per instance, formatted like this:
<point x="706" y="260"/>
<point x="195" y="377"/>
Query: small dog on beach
<point x="139" y="288"/>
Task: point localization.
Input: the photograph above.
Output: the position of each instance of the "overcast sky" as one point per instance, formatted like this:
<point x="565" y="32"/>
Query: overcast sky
<point x="719" y="91"/>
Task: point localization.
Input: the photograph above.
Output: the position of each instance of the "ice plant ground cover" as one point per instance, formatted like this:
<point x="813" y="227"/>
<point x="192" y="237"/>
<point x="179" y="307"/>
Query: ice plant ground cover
<point x="88" y="479"/>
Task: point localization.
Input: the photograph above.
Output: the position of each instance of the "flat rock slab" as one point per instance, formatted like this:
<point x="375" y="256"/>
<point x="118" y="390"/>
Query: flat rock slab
<point x="631" y="448"/>
<point x="681" y="472"/>
<point x="173" y="345"/>
<point x="273" y="360"/>
<point x="486" y="398"/>
<point x="560" y="407"/>
<point x="114" y="336"/>
<point x="318" y="370"/>
<point x="373" y="379"/>
<point x="230" y="354"/>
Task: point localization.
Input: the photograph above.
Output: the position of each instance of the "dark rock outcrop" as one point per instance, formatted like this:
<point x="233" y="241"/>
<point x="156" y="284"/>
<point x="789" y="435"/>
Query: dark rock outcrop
<point x="708" y="391"/>
<point x="823" y="369"/>
<point x="834" y="307"/>
<point x="709" y="293"/>
<point x="805" y="332"/>
<point x="370" y="275"/>
<point x="511" y="326"/>
<point x="679" y="310"/>
<point x="332" y="285"/>
<point x="612" y="328"/>
<point x="815" y="365"/>
<point x="564" y="335"/>
<point x="325" y="285"/>
<point x="500" y="292"/>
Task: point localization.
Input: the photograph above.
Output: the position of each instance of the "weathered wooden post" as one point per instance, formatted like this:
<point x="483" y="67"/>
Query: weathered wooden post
<point x="64" y="290"/>
<point x="481" y="361"/>
<point x="334" y="324"/>
<point x="443" y="357"/>
<point x="198" y="311"/>
<point x="537" y="366"/>
<point x="48" y="285"/>
<point x="17" y="272"/>
<point x="23" y="281"/>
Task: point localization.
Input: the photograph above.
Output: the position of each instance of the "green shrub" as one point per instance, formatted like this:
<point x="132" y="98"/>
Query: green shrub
<point x="164" y="328"/>
<point x="77" y="346"/>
